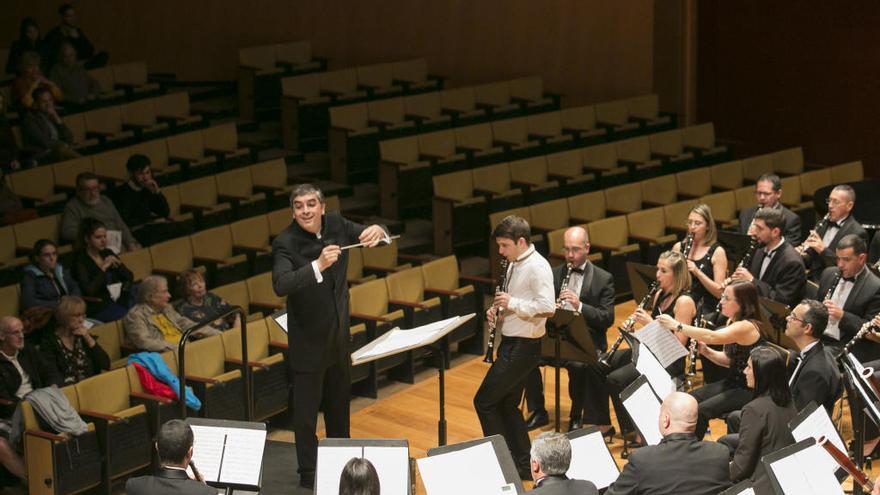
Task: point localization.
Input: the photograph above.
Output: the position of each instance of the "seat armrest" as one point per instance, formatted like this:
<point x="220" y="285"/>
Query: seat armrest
<point x="98" y="415"/>
<point x="201" y="379"/>
<point x="162" y="271"/>
<point x="45" y="435"/>
<point x="252" y="364"/>
<point x="272" y="307"/>
<point x="442" y="292"/>
<point x="279" y="345"/>
<point x="601" y="247"/>
<point x="362" y="316"/>
<point x="406" y="304"/>
<point x="151" y="397"/>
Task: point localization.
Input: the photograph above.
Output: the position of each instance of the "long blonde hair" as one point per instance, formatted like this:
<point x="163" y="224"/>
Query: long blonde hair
<point x="681" y="279"/>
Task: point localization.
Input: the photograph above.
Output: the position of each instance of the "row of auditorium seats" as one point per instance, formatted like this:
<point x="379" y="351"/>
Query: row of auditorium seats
<point x="306" y="99"/>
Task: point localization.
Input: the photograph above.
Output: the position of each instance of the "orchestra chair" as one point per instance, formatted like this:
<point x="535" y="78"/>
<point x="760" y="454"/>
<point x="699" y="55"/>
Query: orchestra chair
<point x="174" y="109"/>
<point x="647" y="228"/>
<point x="659" y="191"/>
<point x="694" y="183"/>
<point x="700" y="139"/>
<point x="756" y="166"/>
<point x="269" y="384"/>
<point x="262" y="296"/>
<point x="458" y="213"/>
<point x="788" y="162"/>
<point x="726" y="176"/>
<point x="567" y="168"/>
<point x="531" y="175"/>
<point x="610" y="236"/>
<point x="847" y="172"/>
<point x="668" y="146"/>
<point x="458" y="297"/>
<point x="645" y="110"/>
<point x="368" y="305"/>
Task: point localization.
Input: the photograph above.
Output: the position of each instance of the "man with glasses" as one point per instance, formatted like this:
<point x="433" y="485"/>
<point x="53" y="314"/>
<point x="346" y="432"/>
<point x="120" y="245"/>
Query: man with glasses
<point x="89" y="202"/>
<point x="821" y="244"/>
<point x="814" y="377"/>
<point x="768" y="190"/>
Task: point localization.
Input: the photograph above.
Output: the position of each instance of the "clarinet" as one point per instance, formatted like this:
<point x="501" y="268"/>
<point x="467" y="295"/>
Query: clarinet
<point x="501" y="287"/>
<point x="688" y="245"/>
<point x="692" y="344"/>
<point x="563" y="286"/>
<point x="627" y="326"/>
<point x="846" y="463"/>
<point x="866" y="328"/>
<point x="833" y="287"/>
<point x="802" y="249"/>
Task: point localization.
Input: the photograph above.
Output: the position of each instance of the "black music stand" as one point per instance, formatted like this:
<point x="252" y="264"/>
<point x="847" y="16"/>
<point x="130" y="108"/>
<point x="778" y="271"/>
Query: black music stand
<point x="641" y="276"/>
<point x="773" y="314"/>
<point x="735" y="245"/>
<point x="863" y="403"/>
<point x="569" y="341"/>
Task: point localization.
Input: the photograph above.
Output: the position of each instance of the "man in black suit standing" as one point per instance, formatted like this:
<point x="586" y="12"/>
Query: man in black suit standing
<point x="590" y="292"/>
<point x="815" y="377"/>
<point x="768" y="190"/>
<point x="175" y="446"/>
<point x="852" y="300"/>
<point x="550" y="458"/>
<point x="776" y="269"/>
<point x="679" y="463"/>
<point x="309" y="268"/>
<point x="820" y="244"/>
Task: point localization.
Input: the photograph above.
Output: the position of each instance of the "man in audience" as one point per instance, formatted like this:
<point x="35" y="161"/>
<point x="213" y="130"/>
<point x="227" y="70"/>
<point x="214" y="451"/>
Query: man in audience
<point x="853" y="299"/>
<point x="175" y="446"/>
<point x="43" y="131"/>
<point x="550" y="457"/>
<point x="820" y="244"/>
<point x="89" y="202"/>
<point x="77" y="86"/>
<point x="21" y="371"/>
<point x="679" y="463"/>
<point x="815" y="377"/>
<point x="69" y="31"/>
<point x="768" y="190"/>
<point x="139" y="201"/>
<point x="776" y="269"/>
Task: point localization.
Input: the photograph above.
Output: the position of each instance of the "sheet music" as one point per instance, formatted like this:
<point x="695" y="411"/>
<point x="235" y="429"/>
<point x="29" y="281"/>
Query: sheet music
<point x="656" y="374"/>
<point x="442" y="474"/>
<point x="392" y="465"/>
<point x="239" y="462"/>
<point x="282" y="321"/>
<point x="815" y="425"/>
<point x="591" y="461"/>
<point x="208" y="450"/>
<point x="747" y="491"/>
<point x="666" y="348"/>
<point x="873" y="412"/>
<point x="644" y="409"/>
<point x="114" y="240"/>
<point x="399" y="339"/>
<point x="331" y="460"/>
<point x="805" y="473"/>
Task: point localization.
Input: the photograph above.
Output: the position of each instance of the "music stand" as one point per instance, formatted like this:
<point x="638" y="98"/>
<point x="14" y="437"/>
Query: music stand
<point x="735" y="245"/>
<point x="641" y="276"/>
<point x="222" y="443"/>
<point x="389" y="457"/>
<point x="591" y="459"/>
<point x="863" y="405"/>
<point x="813" y="422"/>
<point x="773" y="314"/>
<point x="570" y="341"/>
<point x="502" y="454"/>
<point x="797" y="470"/>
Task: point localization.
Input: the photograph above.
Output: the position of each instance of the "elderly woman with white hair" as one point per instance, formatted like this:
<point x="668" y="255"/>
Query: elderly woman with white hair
<point x="153" y="324"/>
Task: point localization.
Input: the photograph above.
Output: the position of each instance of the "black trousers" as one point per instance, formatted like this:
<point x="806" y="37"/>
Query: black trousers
<point x="497" y="400"/>
<point x="586" y="388"/>
<point x="328" y="389"/>
<point x="717" y="399"/>
<point x="623" y="373"/>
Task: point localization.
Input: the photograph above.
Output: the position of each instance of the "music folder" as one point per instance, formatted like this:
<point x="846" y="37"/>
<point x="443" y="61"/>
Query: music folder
<point x="590" y="458"/>
<point x="389" y="457"/>
<point x="643" y="406"/>
<point x="801" y="469"/>
<point x="482" y="466"/>
<point x="229" y="454"/>
<point x="398" y="340"/>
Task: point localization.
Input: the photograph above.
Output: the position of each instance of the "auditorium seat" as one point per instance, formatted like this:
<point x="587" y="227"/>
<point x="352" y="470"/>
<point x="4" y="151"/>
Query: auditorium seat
<point x="188" y="149"/>
<point x="140" y="116"/>
<point x="105" y="124"/>
<point x="547" y="127"/>
<point x="342" y="85"/>
<point x="159" y="409"/>
<point x="171" y="258"/>
<point x="269" y="386"/>
<point x="200" y="197"/>
<point x="847" y="172"/>
<point x="28" y="233"/>
<point x="457" y="297"/>
<point x="613" y="116"/>
<point x="279" y="220"/>
<point x="567" y="167"/>
<point x="259" y="68"/>
<point x="368" y="304"/>
<point x="792" y="196"/>
<point x="172" y="195"/>
<point x="581" y="123"/>
<point x="600" y="158"/>
<point x="623" y="199"/>
<point x="174" y="109"/>
<point x="813" y="180"/>
<point x="354" y="271"/>
<point x="495" y="98"/>
<point x="378" y="80"/>
<point x="385" y="259"/>
<point x="676" y="215"/>
<point x="694" y="183"/>
<point x="659" y="191"/>
<point x="132" y="77"/>
<point x="531" y="176"/>
<point x="549" y="215"/>
<point x="723" y="205"/>
<point x="110" y="165"/>
<point x="352" y="142"/>
<point x="65" y="172"/>
<point x="745" y="197"/>
<point x="213" y="249"/>
<point x="789" y="162"/>
<point x="440" y="148"/>
<point x="107" y="84"/>
<point x="236" y="187"/>
<point x="461" y="104"/>
<point x="727" y="176"/>
<point x="646" y="110"/>
<point x="406" y="291"/>
<point x="587" y="207"/>
<point x="404" y="177"/>
<point x="390" y="116"/>
<point x="610" y="236"/>
<point x="495" y="183"/>
<point x="426" y="109"/>
<point x="478" y="142"/>
<point x="9" y="300"/>
<point x="251" y="237"/>
<point x="648" y="229"/>
<point x="139" y="262"/>
<point x="157" y="151"/>
<point x="219" y="390"/>
<point x="109" y="336"/>
<point x="235" y="294"/>
<point x="35" y="187"/>
<point x="222" y="141"/>
<point x="458" y="214"/>
<point x="756" y="166"/>
<point x="513" y="135"/>
<point x="669" y="147"/>
<point x="701" y="139"/>
<point x="635" y="154"/>
<point x="414" y="77"/>
<point x="529" y="92"/>
<point x="81" y="142"/>
<point x="262" y="295"/>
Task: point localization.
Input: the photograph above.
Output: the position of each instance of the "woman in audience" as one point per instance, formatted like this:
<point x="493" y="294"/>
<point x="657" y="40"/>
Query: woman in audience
<point x="359" y="477"/>
<point x="30" y="78"/>
<point x="100" y="273"/>
<point x="29" y="40"/>
<point x="764" y="424"/>
<point x="45" y="280"/>
<point x="197" y="303"/>
<point x="74" y="353"/>
<point x="739" y="306"/>
<point x="153" y="324"/>
<point x="77" y="86"/>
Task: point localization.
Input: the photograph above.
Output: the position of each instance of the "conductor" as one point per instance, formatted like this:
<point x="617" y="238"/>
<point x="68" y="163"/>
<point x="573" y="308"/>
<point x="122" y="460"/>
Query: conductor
<point x="309" y="268"/>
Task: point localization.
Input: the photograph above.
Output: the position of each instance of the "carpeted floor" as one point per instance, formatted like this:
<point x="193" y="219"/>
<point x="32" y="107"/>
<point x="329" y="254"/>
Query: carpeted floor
<point x="279" y="470"/>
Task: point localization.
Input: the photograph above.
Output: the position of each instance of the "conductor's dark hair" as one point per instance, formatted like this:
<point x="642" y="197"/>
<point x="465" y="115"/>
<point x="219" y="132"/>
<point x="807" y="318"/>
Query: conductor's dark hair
<point x="853" y="241"/>
<point x="772" y="179"/>
<point x="137" y="162"/>
<point x="359" y="477"/>
<point x="772" y="218"/>
<point x="513" y="227"/>
<point x="303" y="189"/>
<point x="173" y="441"/>
<point x="771" y="378"/>
<point x="816" y="316"/>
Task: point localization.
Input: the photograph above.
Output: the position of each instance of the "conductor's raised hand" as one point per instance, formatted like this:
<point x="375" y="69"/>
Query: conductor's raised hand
<point x="328" y="256"/>
<point x="372" y="235"/>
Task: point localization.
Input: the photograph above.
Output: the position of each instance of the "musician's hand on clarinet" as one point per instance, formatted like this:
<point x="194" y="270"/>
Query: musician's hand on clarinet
<point x="490" y="315"/>
<point x="329" y="255"/>
<point x="742" y="273"/>
<point x="814" y="242"/>
<point x="692" y="267"/>
<point x="835" y="312"/>
<point x="667" y="322"/>
<point x="642" y="317"/>
<point x="570" y="297"/>
<point x="372" y="235"/>
<point x="502" y="299"/>
<point x="876" y="320"/>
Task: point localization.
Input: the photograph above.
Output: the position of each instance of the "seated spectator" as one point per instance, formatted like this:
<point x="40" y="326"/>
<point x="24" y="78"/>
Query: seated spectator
<point x="139" y="200"/>
<point x="101" y="275"/>
<point x="77" y="86"/>
<point x="359" y="477"/>
<point x="153" y="324"/>
<point x="21" y="371"/>
<point x="71" y="350"/>
<point x="29" y="79"/>
<point x="174" y="443"/>
<point x="550" y="458"/>
<point x="11" y="156"/>
<point x="69" y="31"/>
<point x="44" y="133"/>
<point x="197" y="303"/>
<point x="89" y="202"/>
<point x="45" y="280"/>
<point x="29" y="40"/>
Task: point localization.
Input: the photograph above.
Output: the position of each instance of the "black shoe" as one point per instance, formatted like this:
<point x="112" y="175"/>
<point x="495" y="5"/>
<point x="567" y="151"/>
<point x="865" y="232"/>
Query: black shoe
<point x="307" y="481"/>
<point x="537" y="420"/>
<point x="575" y="424"/>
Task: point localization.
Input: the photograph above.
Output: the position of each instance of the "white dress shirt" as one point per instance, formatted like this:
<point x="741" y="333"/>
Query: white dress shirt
<point x="532" y="297"/>
<point x="832" y="230"/>
<point x="839" y="296"/>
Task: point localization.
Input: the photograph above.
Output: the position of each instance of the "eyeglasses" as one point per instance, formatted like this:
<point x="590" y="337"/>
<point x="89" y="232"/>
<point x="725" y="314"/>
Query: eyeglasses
<point x="791" y="316"/>
<point x="835" y="202"/>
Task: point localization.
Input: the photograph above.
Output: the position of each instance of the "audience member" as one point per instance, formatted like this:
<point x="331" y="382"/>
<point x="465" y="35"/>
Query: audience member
<point x="550" y="456"/>
<point x="153" y="324"/>
<point x="71" y="350"/>
<point x="197" y="303"/>
<point x="680" y="463"/>
<point x="139" y="201"/>
<point x="45" y="280"/>
<point x="77" y="86"/>
<point x="101" y="275"/>
<point x="29" y="40"/>
<point x="89" y="202"/>
<point x="359" y="477"/>
<point x="29" y="79"/>
<point x="68" y="31"/>
<point x="174" y="443"/>
<point x="43" y="131"/>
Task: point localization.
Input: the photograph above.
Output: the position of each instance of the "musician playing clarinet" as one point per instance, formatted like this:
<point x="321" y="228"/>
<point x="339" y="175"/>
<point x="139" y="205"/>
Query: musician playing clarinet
<point x="523" y="308"/>
<point x="821" y="243"/>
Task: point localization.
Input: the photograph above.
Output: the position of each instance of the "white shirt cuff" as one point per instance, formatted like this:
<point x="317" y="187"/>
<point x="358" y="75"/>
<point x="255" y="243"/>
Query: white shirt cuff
<point x="318" y="276"/>
<point x="580" y="306"/>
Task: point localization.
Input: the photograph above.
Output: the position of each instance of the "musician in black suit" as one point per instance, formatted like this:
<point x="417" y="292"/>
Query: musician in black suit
<point x="175" y="446"/>
<point x="776" y="269"/>
<point x="814" y="377"/>
<point x="768" y="190"/>
<point x="550" y="457"/>
<point x="851" y="292"/>
<point x="679" y="463"/>
<point x="309" y="268"/>
<point x="821" y="244"/>
<point x="590" y="291"/>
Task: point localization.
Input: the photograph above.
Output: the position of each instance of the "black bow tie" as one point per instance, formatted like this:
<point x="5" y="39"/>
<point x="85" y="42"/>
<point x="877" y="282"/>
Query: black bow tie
<point x="836" y="225"/>
<point x="578" y="270"/>
<point x="849" y="279"/>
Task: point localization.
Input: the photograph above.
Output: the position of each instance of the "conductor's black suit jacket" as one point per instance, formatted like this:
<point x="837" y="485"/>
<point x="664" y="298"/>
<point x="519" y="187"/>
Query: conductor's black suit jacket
<point x="597" y="296"/>
<point x="317" y="314"/>
<point x="862" y="305"/>
<point x="785" y="278"/>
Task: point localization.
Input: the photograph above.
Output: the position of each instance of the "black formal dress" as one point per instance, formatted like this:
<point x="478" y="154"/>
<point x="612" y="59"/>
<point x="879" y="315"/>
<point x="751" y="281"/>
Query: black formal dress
<point x="862" y="304"/>
<point x="561" y="485"/>
<point x="815" y="378"/>
<point x="586" y="383"/>
<point x="763" y="430"/>
<point x="679" y="464"/>
<point x="318" y="330"/>
<point x="817" y="262"/>
<point x="167" y="482"/>
<point x="784" y="279"/>
<point x="791" y="232"/>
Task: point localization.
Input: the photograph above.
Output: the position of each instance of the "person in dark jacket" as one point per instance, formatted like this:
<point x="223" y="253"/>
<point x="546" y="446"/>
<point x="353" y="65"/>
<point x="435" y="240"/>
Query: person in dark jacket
<point x="69" y="31"/>
<point x="29" y="40"/>
<point x="71" y="350"/>
<point x="174" y="444"/>
<point x="814" y="377"/>
<point x="139" y="201"/>
<point x="45" y="135"/>
<point x="100" y="273"/>
<point x="550" y="458"/>
<point x="45" y="280"/>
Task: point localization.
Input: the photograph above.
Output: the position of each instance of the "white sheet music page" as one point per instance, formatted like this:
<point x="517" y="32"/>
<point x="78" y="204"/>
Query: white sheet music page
<point x="805" y="473"/>
<point x="208" y="450"/>
<point x="331" y="460"/>
<point x="644" y="409"/>
<point x="656" y="374"/>
<point x="444" y="474"/>
<point x="591" y="461"/>
<point x="815" y="425"/>
<point x="243" y="459"/>
<point x="392" y="466"/>
<point x="399" y="339"/>
<point x="747" y="491"/>
<point x="662" y="343"/>
<point x="282" y="321"/>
